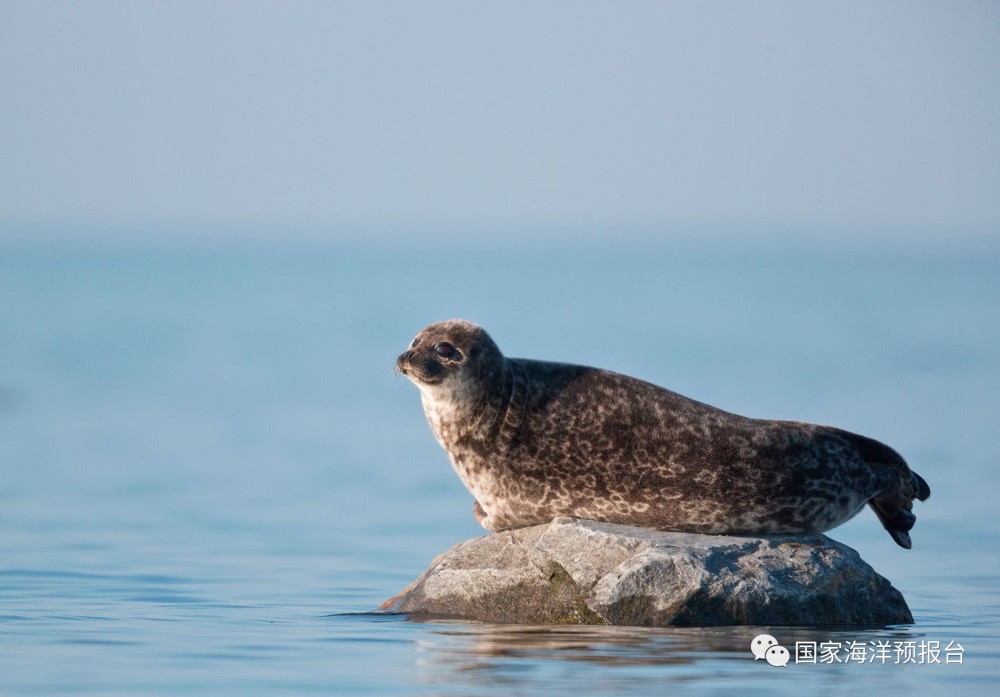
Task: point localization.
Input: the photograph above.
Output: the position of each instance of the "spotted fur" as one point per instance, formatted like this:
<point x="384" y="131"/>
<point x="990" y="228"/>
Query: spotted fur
<point x="533" y="440"/>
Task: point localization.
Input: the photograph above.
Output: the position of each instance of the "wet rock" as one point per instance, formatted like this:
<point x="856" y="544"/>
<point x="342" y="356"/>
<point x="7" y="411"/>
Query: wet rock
<point x="572" y="571"/>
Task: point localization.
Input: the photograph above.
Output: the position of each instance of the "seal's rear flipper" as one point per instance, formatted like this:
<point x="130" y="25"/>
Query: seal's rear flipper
<point x="894" y="504"/>
<point x="897" y="523"/>
<point x="895" y="514"/>
<point x="902" y="538"/>
<point x="899" y="487"/>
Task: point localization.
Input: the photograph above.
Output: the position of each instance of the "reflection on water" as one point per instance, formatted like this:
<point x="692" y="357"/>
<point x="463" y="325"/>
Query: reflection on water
<point x="467" y="646"/>
<point x="592" y="660"/>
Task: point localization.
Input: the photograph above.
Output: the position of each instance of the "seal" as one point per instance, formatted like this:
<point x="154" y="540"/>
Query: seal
<point x="533" y="440"/>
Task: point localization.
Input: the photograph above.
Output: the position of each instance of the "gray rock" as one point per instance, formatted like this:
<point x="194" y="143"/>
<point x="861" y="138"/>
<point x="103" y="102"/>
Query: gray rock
<point x="572" y="571"/>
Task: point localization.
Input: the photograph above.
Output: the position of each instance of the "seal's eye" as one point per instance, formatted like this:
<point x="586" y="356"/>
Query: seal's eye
<point x="415" y="342"/>
<point x="445" y="350"/>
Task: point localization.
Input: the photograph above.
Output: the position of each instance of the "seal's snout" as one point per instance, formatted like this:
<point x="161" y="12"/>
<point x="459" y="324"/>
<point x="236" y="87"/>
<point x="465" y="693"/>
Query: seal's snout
<point x="403" y="362"/>
<point x="421" y="367"/>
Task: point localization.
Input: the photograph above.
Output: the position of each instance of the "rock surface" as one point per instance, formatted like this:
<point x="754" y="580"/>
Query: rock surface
<point x="572" y="571"/>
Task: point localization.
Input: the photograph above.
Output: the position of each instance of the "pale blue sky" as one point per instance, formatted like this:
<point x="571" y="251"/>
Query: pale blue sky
<point x="465" y="116"/>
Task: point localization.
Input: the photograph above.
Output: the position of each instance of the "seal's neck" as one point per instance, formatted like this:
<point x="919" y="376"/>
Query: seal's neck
<point x="460" y="411"/>
<point x="449" y="409"/>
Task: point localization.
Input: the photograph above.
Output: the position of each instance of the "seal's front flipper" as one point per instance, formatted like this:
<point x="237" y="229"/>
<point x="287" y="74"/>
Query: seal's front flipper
<point x="479" y="513"/>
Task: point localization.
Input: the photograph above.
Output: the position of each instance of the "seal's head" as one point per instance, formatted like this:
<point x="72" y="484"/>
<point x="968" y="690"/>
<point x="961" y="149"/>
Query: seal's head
<point x="453" y="354"/>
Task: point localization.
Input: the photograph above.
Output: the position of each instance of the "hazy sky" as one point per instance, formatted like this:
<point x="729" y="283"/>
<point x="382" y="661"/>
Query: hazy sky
<point x="873" y="115"/>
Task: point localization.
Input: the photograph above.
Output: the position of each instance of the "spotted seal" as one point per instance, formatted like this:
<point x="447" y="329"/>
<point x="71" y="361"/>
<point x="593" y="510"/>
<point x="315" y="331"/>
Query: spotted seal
<point x="533" y="440"/>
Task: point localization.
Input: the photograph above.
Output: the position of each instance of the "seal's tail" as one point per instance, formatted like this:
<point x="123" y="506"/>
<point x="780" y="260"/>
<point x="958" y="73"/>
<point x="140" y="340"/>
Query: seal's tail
<point x="893" y="505"/>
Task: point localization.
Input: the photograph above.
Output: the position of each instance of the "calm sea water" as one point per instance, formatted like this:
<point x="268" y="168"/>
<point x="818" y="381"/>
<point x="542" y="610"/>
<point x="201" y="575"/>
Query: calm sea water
<point x="209" y="475"/>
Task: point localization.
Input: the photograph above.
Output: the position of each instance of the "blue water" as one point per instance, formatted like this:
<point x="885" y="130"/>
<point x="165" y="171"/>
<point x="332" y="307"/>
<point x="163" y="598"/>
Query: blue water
<point x="209" y="475"/>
